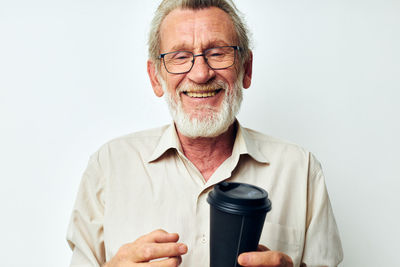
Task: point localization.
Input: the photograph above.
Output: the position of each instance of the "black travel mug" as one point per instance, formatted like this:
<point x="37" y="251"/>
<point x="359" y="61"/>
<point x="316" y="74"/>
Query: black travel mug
<point x="237" y="214"/>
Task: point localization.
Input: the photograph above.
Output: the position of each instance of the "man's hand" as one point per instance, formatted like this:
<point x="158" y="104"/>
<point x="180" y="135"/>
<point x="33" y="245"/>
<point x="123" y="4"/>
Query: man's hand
<point x="265" y="258"/>
<point x="155" y="245"/>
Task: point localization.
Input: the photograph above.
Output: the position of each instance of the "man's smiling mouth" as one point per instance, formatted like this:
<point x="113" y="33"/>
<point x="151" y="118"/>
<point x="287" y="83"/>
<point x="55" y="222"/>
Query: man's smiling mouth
<point x="202" y="94"/>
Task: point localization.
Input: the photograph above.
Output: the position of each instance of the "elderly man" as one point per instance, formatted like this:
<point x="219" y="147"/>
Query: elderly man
<point x="159" y="179"/>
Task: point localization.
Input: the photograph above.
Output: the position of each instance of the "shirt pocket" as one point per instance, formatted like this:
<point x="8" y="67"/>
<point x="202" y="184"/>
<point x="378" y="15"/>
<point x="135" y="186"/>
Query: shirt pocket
<point x="282" y="238"/>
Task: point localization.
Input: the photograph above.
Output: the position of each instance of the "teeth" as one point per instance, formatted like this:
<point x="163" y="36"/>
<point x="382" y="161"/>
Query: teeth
<point x="207" y="94"/>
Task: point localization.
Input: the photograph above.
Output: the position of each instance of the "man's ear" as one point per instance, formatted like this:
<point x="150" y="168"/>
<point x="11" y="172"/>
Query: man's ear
<point x="155" y="83"/>
<point x="248" y="70"/>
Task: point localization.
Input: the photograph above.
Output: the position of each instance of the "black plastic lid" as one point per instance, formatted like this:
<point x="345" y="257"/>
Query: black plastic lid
<point x="239" y="198"/>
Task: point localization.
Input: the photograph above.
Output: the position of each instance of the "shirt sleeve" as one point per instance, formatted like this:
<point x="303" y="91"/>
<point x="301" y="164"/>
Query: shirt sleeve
<point x="322" y="242"/>
<point x="85" y="231"/>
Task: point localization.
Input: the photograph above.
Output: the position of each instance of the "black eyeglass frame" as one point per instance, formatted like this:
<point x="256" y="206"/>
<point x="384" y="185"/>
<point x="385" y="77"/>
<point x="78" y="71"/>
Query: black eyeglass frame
<point x="235" y="47"/>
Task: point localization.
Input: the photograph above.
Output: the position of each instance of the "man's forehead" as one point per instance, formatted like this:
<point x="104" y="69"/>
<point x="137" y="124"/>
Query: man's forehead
<point x="203" y="28"/>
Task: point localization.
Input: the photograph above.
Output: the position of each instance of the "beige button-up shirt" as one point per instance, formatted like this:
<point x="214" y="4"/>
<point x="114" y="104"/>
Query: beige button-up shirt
<point x="142" y="182"/>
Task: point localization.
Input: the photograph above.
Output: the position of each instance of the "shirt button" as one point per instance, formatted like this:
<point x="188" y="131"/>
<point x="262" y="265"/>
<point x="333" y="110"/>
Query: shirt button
<point x="203" y="239"/>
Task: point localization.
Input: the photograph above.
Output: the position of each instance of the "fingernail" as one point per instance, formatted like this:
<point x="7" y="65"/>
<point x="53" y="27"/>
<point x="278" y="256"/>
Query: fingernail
<point x="244" y="259"/>
<point x="182" y="248"/>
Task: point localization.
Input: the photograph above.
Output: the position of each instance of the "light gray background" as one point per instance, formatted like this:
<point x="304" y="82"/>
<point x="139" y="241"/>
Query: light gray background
<point x="73" y="75"/>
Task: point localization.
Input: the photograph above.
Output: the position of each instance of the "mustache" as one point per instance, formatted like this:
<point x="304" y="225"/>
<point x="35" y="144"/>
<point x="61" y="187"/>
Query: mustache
<point x="209" y="86"/>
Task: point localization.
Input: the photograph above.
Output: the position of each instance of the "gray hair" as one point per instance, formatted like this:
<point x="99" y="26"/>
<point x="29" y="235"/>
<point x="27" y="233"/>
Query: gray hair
<point x="167" y="6"/>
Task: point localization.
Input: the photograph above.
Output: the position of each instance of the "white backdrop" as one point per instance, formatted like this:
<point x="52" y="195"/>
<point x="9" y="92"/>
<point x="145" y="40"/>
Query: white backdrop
<point x="73" y="75"/>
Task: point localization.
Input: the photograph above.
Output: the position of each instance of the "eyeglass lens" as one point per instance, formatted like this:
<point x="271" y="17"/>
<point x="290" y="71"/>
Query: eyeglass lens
<point x="216" y="58"/>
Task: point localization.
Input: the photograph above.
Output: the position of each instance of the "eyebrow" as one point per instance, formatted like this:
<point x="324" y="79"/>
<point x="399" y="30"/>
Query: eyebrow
<point x="185" y="47"/>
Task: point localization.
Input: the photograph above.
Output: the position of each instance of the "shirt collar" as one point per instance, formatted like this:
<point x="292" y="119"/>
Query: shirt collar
<point x="169" y="139"/>
<point x="244" y="144"/>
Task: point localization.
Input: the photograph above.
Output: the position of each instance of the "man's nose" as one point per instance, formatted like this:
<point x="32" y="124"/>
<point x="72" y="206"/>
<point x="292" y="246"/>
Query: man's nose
<point x="200" y="72"/>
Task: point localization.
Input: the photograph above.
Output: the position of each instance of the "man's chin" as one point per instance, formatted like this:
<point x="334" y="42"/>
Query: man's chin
<point x="202" y="117"/>
<point x="201" y="111"/>
<point x="206" y="127"/>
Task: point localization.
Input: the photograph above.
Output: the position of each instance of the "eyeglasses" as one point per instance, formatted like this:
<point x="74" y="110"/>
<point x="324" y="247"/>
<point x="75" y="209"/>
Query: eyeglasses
<point x="217" y="58"/>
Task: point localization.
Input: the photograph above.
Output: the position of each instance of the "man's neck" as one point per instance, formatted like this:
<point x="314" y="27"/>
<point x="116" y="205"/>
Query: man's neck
<point x="207" y="154"/>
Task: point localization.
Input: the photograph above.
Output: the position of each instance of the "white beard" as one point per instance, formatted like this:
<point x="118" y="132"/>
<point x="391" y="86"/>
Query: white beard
<point x="215" y="122"/>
